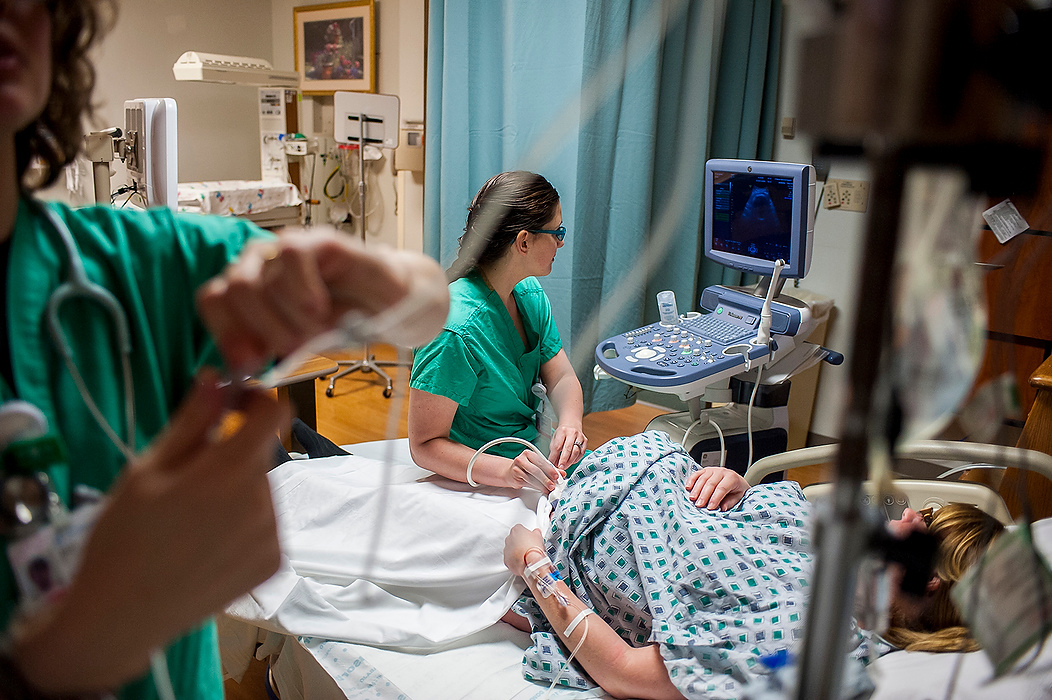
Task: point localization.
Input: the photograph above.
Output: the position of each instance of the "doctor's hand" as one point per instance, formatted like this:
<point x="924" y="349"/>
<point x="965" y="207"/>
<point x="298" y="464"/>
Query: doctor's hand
<point x="530" y="470"/>
<point x="188" y="527"/>
<point x="716" y="487"/>
<point x="279" y="293"/>
<point x="567" y="447"/>
<point x="517" y="543"/>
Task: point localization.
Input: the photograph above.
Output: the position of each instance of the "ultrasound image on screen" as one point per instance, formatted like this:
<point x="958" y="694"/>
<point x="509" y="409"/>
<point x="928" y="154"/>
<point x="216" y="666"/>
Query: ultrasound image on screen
<point x="752" y="215"/>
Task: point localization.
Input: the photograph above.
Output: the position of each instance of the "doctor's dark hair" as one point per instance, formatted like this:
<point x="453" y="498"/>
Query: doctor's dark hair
<point x="510" y="202"/>
<point x="54" y="138"/>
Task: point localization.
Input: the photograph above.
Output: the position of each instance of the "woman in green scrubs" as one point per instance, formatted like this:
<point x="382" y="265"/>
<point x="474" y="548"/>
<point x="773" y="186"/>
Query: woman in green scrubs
<point x="473" y="383"/>
<point x="188" y="524"/>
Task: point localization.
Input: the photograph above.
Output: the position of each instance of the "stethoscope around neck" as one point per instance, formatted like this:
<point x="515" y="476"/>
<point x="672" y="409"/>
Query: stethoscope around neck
<point x="78" y="286"/>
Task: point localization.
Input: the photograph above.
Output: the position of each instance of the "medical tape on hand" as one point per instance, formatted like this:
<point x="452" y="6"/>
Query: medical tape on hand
<point x="538" y="564"/>
<point x="576" y="621"/>
<point x="546" y="582"/>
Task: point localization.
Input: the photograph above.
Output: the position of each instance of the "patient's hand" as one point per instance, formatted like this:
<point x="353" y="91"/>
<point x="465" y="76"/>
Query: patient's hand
<point x="716" y="487"/>
<point x="517" y="543"/>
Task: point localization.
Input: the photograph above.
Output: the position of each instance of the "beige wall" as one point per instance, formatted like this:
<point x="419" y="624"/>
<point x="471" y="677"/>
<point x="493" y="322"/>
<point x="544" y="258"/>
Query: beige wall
<point x="838" y="234"/>
<point x="218" y="124"/>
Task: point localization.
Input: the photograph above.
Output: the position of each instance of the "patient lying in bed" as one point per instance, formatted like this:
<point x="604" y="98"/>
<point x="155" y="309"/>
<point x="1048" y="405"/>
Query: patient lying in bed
<point x="400" y="558"/>
<point x="687" y="600"/>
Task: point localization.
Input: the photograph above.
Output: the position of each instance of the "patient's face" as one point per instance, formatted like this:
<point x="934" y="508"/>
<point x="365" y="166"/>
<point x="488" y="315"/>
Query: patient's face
<point x="906" y="610"/>
<point x="911" y="521"/>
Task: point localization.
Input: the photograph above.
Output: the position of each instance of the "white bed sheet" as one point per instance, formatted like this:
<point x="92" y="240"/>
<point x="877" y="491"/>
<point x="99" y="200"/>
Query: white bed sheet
<point x="486" y="664"/>
<point x="415" y="565"/>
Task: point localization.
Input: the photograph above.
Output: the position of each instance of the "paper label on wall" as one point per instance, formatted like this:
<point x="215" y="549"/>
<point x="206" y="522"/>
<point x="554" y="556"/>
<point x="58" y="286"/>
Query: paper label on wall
<point x="1005" y="221"/>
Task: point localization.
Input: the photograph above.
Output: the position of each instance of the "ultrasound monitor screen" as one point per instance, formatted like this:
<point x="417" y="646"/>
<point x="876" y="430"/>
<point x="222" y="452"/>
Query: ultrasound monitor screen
<point x="752" y="215"/>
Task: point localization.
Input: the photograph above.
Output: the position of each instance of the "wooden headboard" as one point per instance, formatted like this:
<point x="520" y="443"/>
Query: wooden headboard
<point x="1017" y="487"/>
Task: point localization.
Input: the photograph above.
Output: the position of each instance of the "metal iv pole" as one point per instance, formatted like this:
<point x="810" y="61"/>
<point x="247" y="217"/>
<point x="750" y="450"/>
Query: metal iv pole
<point x="368" y="363"/>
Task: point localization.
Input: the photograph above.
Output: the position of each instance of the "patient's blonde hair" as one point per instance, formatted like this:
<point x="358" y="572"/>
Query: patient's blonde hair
<point x="964" y="533"/>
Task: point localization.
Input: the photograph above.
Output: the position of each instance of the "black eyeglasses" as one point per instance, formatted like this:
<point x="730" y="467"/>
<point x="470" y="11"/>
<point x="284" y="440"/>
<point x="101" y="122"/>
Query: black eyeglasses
<point x="559" y="233"/>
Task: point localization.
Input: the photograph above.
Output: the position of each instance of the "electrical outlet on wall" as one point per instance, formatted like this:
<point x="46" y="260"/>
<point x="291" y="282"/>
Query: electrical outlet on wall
<point x="854" y="195"/>
<point x="831" y="195"/>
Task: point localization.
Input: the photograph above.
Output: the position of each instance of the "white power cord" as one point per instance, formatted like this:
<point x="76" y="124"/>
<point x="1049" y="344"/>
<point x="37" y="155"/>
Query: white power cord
<point x="748" y="420"/>
<point x="723" y="444"/>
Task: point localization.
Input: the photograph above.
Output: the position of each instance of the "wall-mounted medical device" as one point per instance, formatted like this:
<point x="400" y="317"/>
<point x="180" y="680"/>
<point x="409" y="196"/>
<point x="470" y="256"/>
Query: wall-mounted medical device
<point x="150" y="131"/>
<point x="278" y="119"/>
<point x="235" y="70"/>
<point x="410" y="153"/>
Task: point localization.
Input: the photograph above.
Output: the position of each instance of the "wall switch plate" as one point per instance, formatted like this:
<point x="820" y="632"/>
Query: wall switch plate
<point x="831" y="195"/>
<point x="854" y="195"/>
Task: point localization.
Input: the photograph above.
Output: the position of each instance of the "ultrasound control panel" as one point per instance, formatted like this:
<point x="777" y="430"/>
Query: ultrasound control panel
<point x="660" y="356"/>
<point x="666" y="356"/>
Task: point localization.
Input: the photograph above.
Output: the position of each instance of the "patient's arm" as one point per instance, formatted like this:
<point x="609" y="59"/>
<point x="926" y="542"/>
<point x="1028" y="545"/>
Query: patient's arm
<point x="430" y="418"/>
<point x="564" y="391"/>
<point x="716" y="487"/>
<point x="621" y="670"/>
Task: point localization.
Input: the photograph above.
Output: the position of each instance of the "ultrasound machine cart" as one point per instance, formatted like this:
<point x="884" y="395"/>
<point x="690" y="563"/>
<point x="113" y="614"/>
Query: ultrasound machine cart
<point x="759" y="218"/>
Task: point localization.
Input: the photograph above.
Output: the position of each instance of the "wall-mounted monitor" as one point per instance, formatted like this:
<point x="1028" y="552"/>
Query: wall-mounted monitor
<point x="150" y="130"/>
<point x="757" y="212"/>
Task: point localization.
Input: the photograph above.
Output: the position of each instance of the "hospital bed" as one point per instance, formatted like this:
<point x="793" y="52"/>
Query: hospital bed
<point x="487" y="662"/>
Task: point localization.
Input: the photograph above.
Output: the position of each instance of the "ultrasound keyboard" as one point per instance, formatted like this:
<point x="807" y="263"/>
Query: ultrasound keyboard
<point x="667" y="357"/>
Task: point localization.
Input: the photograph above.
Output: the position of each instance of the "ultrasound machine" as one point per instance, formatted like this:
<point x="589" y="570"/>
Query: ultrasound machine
<point x="740" y="349"/>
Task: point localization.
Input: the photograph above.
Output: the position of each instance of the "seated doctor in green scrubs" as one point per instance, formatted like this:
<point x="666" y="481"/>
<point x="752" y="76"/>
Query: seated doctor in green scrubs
<point x="473" y="383"/>
<point x="188" y="524"/>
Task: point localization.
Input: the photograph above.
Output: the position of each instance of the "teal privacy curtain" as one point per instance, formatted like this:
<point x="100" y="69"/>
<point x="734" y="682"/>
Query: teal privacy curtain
<point x="618" y="103"/>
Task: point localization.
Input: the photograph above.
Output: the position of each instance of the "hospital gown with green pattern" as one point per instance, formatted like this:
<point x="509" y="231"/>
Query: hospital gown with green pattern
<point x="715" y="590"/>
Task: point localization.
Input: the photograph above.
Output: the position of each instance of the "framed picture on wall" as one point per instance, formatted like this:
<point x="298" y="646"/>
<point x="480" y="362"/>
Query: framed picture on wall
<point x="335" y="46"/>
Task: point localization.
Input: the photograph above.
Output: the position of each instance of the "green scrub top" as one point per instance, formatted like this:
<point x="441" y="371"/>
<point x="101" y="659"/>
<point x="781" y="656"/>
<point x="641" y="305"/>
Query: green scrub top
<point x="152" y="262"/>
<point x="479" y="361"/>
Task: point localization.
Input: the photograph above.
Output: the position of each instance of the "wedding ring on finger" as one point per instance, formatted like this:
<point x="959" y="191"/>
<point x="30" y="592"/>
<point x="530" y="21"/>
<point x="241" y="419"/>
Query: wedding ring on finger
<point x="270" y="252"/>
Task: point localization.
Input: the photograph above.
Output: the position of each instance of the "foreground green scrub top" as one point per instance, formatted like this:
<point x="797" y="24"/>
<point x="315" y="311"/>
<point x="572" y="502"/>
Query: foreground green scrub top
<point x="152" y="262"/>
<point x="479" y="361"/>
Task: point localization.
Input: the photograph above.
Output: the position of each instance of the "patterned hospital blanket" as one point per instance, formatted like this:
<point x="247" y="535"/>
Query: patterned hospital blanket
<point x="716" y="590"/>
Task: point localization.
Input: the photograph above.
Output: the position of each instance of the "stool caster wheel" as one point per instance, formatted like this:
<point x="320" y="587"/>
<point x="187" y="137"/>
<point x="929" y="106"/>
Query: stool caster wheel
<point x="387" y="392"/>
<point x="329" y="392"/>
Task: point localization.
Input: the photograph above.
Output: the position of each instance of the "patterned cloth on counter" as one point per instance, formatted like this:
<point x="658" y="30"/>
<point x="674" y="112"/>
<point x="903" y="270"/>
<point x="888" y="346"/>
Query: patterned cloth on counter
<point x="716" y="590"/>
<point x="237" y="197"/>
